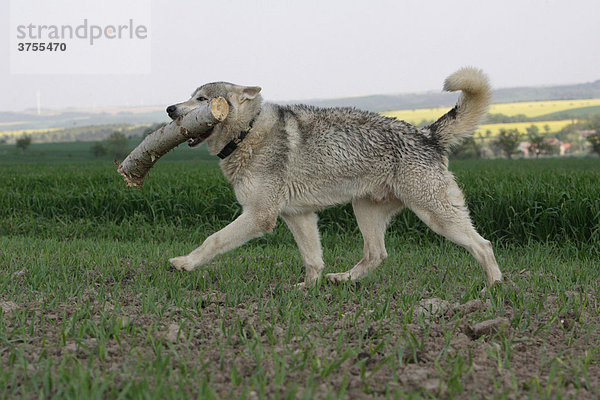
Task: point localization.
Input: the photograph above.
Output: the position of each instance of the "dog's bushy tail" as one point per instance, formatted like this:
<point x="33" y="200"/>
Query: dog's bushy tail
<point x="460" y="122"/>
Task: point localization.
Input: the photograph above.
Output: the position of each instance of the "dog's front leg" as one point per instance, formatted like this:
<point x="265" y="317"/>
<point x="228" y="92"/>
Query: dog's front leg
<point x="305" y="231"/>
<point x="247" y="226"/>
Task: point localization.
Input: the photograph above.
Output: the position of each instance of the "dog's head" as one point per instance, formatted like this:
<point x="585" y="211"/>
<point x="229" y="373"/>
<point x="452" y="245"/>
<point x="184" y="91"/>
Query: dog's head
<point x="244" y="104"/>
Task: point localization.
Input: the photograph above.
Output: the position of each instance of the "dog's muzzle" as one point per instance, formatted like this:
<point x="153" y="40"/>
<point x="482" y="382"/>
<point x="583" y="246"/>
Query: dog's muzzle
<point x="192" y="142"/>
<point x="171" y="112"/>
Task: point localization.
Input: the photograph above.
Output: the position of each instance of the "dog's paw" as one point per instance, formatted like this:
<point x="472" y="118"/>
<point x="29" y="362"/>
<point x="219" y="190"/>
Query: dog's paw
<point x="301" y="285"/>
<point x="307" y="284"/>
<point x="339" y="277"/>
<point x="181" y="263"/>
<point x="496" y="282"/>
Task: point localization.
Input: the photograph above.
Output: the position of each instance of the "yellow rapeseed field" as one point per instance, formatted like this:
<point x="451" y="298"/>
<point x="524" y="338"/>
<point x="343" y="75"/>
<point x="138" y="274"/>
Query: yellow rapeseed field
<point x="536" y="108"/>
<point x="4" y="124"/>
<point x="21" y="132"/>
<point x="555" y="126"/>
<point x="33" y="132"/>
<point x="529" y="109"/>
<point x="418" y="115"/>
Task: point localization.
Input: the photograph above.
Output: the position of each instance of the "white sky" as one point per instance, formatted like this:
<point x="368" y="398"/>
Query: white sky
<point x="320" y="49"/>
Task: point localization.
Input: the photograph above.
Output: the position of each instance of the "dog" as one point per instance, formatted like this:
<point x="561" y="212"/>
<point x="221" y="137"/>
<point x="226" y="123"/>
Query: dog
<point x="290" y="161"/>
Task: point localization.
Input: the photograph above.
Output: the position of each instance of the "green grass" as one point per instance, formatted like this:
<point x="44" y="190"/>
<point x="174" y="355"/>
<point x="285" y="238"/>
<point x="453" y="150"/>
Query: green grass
<point x="580" y="112"/>
<point x="510" y="202"/>
<point x="84" y="260"/>
<point x="77" y="152"/>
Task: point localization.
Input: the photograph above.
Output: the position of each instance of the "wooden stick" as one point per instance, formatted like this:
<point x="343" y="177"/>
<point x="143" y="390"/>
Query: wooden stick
<point x="198" y="121"/>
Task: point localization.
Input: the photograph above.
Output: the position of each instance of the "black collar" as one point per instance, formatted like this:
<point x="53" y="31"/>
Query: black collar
<point x="233" y="144"/>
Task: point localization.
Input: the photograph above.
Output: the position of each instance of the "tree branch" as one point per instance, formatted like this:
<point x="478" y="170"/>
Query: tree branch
<point x="198" y="121"/>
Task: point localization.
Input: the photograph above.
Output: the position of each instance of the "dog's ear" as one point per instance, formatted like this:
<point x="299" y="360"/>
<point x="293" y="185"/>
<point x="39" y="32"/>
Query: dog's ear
<point x="249" y="93"/>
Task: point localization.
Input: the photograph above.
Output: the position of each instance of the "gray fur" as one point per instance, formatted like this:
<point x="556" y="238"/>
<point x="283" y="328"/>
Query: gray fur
<point x="299" y="159"/>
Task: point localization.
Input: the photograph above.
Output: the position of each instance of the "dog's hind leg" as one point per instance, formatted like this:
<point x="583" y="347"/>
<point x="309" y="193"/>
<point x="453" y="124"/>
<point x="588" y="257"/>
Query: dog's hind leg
<point x="305" y="231"/>
<point x="372" y="218"/>
<point x="448" y="216"/>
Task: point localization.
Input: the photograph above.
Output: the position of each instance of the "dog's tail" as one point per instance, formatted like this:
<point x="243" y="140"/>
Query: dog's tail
<point x="460" y="122"/>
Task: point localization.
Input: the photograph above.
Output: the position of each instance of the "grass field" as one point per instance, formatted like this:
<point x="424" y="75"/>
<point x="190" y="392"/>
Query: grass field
<point x="90" y="308"/>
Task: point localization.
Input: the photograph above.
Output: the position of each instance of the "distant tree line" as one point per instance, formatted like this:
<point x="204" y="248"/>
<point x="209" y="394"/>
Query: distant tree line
<point x="116" y="146"/>
<point x="508" y="141"/>
<point x="115" y="142"/>
<point x="86" y="133"/>
<point x="23" y="143"/>
<point x="594" y="139"/>
<point x="506" y="119"/>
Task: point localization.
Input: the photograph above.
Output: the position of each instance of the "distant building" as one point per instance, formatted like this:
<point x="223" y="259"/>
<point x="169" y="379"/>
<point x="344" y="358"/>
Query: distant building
<point x="586" y="133"/>
<point x="552" y="142"/>
<point x="524" y="148"/>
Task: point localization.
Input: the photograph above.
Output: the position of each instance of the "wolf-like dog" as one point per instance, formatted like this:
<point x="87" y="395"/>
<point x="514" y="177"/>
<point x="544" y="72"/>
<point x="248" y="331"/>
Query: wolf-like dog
<point x="290" y="161"/>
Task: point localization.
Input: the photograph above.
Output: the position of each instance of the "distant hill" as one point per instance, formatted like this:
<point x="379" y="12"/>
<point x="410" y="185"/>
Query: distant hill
<point x="76" y="118"/>
<point x="12" y="122"/>
<point x="392" y="102"/>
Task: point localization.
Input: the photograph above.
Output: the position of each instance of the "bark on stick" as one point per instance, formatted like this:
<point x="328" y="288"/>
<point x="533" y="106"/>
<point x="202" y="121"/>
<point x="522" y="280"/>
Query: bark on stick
<point x="190" y="126"/>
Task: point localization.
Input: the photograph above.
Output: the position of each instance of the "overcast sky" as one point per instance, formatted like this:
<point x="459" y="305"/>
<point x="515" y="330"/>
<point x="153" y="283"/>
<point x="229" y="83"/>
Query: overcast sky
<point x="321" y="49"/>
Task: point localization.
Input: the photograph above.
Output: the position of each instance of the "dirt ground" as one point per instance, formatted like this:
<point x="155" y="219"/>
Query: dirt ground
<point x="446" y="330"/>
<point x="205" y="339"/>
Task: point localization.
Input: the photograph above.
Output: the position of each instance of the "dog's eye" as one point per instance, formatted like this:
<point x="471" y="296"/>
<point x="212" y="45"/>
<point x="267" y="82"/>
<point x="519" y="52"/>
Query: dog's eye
<point x="201" y="98"/>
